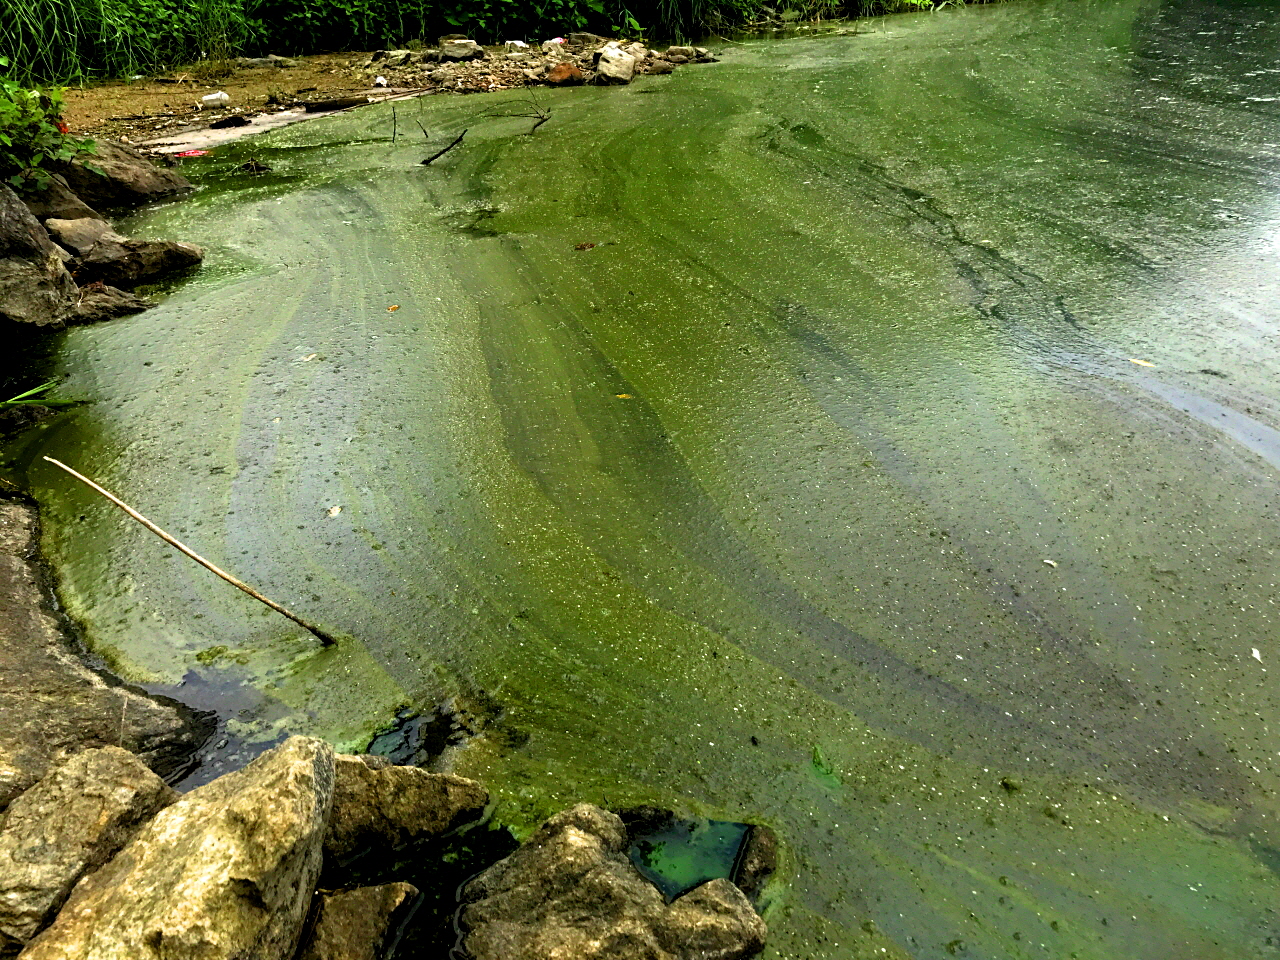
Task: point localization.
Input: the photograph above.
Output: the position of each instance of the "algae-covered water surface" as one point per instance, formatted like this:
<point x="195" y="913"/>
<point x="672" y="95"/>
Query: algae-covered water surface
<point x="897" y="469"/>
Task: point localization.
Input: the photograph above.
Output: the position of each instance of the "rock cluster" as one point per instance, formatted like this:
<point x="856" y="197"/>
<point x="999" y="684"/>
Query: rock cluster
<point x="227" y="871"/>
<point x="461" y="65"/>
<point x="101" y="860"/>
<point x="61" y="262"/>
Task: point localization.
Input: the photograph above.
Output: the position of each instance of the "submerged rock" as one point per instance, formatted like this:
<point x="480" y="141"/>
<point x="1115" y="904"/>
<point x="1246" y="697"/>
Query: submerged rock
<point x="127" y="178"/>
<point x="51" y="705"/>
<point x="71" y="822"/>
<point x="35" y="286"/>
<point x="377" y="804"/>
<point x="226" y="872"/>
<point x="571" y="891"/>
<point x="99" y="302"/>
<point x="356" y="924"/>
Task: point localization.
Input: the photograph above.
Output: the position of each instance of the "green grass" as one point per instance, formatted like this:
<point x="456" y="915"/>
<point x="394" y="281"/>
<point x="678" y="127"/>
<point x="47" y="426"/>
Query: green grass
<point x="68" y="41"/>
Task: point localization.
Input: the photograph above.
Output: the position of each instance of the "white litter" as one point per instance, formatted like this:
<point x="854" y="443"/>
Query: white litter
<point x="214" y="99"/>
<point x="1256" y="655"/>
<point x="516" y="45"/>
<point x="379" y="81"/>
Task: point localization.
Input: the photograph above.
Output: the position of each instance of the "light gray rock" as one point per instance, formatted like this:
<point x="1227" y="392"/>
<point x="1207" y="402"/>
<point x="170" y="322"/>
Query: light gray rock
<point x="387" y="806"/>
<point x="51" y="705"/>
<point x="571" y="891"/>
<point x="127" y="177"/>
<point x="689" y="53"/>
<point x="80" y="234"/>
<point x="614" y="66"/>
<point x="126" y="263"/>
<point x="398" y="58"/>
<point x="355" y="924"/>
<point x="57" y="200"/>
<point x="226" y="873"/>
<point x="460" y="50"/>
<point x="35" y="286"/>
<point x="71" y="822"/>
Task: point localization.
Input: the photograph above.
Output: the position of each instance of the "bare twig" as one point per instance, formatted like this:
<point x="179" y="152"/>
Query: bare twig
<point x="425" y="135"/>
<point x="539" y="122"/>
<point x="320" y="635"/>
<point x="436" y="156"/>
<point x="393" y="123"/>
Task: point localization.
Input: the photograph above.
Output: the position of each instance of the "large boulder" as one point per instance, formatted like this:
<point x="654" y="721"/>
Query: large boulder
<point x="571" y="891"/>
<point x="71" y="822"/>
<point x="615" y="66"/>
<point x="52" y="705"/>
<point x="123" y="262"/>
<point x="376" y="804"/>
<point x="356" y="924"/>
<point x="126" y="177"/>
<point x="78" y="234"/>
<point x="35" y="287"/>
<point x="57" y="200"/>
<point x="226" y="873"/>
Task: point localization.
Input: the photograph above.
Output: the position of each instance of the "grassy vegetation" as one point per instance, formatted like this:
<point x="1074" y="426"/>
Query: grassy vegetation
<point x="62" y="41"/>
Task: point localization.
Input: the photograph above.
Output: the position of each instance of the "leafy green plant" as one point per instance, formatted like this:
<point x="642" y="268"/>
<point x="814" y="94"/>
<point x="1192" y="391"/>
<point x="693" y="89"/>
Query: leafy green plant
<point x="34" y="396"/>
<point x="32" y="134"/>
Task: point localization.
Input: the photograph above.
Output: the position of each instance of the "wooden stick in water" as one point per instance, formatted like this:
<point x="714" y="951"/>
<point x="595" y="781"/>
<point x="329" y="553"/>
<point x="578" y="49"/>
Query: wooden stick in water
<point x="320" y="635"/>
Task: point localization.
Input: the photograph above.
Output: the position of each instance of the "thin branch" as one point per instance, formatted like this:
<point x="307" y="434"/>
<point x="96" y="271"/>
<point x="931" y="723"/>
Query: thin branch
<point x="436" y="156"/>
<point x="539" y="122"/>
<point x="425" y="135"/>
<point x="320" y="635"/>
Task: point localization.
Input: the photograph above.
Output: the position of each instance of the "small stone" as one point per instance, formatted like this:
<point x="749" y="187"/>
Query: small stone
<point x="657" y="68"/>
<point x="460" y="49"/>
<point x="564" y="75"/>
<point x="71" y="822"/>
<point x="356" y="924"/>
<point x="688" y="53"/>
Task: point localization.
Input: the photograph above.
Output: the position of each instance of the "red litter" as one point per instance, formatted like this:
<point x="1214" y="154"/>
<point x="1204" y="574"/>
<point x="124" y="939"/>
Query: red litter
<point x="192" y="153"/>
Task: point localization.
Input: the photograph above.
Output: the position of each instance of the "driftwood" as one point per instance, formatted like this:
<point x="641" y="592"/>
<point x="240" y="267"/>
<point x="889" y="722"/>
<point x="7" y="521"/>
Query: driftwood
<point x="321" y="635"/>
<point x="436" y="156"/>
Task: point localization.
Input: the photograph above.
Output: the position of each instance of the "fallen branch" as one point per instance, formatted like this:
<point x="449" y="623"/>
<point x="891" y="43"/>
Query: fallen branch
<point x="436" y="156"/>
<point x="320" y="635"/>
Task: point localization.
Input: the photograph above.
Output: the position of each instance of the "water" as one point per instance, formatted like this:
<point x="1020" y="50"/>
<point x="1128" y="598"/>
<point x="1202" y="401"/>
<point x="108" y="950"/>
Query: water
<point x="822" y="492"/>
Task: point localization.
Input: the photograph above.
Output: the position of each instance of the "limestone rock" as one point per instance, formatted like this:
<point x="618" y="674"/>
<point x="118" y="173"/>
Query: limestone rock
<point x="99" y="302"/>
<point x="57" y="200"/>
<point x="689" y="53"/>
<point x="126" y="263"/>
<point x="570" y="891"/>
<point x="35" y="287"/>
<point x="71" y="822"/>
<point x="459" y="49"/>
<point x="51" y="705"/>
<point x="226" y="872"/>
<point x="80" y="234"/>
<point x="657" y="68"/>
<point x="128" y="178"/>
<point x="390" y="806"/>
<point x="355" y="924"/>
<point x="614" y="66"/>
<point x="564" y="75"/>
